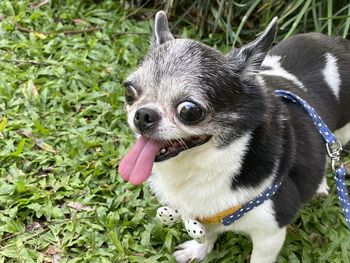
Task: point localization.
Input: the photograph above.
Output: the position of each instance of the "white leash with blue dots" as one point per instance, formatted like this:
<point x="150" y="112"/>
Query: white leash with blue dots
<point x="333" y="147"/>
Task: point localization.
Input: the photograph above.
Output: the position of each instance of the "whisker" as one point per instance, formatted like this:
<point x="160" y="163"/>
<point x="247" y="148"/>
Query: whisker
<point x="182" y="143"/>
<point x="170" y="143"/>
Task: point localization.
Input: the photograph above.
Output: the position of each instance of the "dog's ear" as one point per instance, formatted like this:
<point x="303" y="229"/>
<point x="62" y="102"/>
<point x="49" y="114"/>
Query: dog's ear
<point x="162" y="33"/>
<point x="248" y="58"/>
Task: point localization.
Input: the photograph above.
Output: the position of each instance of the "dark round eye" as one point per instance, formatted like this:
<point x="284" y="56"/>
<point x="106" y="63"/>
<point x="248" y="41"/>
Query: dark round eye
<point x="130" y="94"/>
<point x="189" y="112"/>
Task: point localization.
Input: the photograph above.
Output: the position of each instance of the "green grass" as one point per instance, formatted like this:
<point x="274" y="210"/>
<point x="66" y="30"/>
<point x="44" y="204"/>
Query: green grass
<point x="63" y="132"/>
<point x="238" y="20"/>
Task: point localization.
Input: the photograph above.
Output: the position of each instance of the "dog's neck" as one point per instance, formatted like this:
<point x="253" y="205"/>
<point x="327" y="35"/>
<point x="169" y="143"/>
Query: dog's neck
<point x="207" y="180"/>
<point x="200" y="184"/>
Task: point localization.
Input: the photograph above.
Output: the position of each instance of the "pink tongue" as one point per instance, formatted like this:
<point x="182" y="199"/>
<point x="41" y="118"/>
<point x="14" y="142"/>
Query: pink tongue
<point x="136" y="166"/>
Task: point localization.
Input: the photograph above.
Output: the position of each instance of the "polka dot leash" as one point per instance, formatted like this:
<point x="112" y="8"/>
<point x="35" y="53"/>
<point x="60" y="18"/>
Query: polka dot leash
<point x="333" y="147"/>
<point x="342" y="193"/>
<point x="321" y="126"/>
<point x="260" y="199"/>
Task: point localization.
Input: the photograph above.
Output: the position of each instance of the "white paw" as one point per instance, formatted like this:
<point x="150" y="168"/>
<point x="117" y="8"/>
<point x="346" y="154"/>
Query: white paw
<point x="167" y="215"/>
<point x="323" y="188"/>
<point x="191" y="250"/>
<point x="196" y="230"/>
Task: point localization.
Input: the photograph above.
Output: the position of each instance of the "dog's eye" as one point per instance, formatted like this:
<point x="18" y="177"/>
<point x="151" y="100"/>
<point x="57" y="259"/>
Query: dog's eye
<point x="189" y="112"/>
<point x="130" y="94"/>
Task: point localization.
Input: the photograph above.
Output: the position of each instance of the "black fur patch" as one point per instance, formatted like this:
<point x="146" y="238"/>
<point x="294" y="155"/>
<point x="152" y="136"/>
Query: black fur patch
<point x="297" y="146"/>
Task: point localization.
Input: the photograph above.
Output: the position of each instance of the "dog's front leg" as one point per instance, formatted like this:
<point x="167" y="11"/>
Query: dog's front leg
<point x="267" y="244"/>
<point x="202" y="244"/>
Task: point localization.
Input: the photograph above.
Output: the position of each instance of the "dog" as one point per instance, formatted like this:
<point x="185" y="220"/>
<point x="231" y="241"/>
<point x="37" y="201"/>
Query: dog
<point x="212" y="136"/>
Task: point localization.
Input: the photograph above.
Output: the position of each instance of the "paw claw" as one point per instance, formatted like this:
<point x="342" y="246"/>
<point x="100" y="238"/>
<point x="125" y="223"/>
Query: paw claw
<point x="323" y="188"/>
<point x="191" y="250"/>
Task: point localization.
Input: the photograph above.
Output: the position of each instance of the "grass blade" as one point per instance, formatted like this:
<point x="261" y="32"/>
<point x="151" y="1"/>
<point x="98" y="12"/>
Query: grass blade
<point x="244" y="19"/>
<point x="329" y="15"/>
<point x="290" y="9"/>
<point x="347" y="24"/>
<point x="298" y="18"/>
<point x="3" y="123"/>
<point x="218" y="14"/>
<point x="116" y="242"/>
<point x="314" y="16"/>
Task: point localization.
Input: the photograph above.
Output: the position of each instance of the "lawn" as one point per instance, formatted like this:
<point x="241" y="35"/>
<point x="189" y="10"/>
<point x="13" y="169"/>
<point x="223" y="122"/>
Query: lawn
<point x="63" y="132"/>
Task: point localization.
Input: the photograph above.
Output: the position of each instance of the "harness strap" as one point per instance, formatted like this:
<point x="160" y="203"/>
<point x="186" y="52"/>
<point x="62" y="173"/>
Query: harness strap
<point x="217" y="217"/>
<point x="333" y="147"/>
<point x="260" y="199"/>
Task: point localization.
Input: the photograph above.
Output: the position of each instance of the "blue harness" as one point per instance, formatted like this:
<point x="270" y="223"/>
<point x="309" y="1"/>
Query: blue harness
<point x="333" y="147"/>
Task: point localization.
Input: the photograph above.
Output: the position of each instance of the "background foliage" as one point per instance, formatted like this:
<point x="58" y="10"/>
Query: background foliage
<point x="63" y="129"/>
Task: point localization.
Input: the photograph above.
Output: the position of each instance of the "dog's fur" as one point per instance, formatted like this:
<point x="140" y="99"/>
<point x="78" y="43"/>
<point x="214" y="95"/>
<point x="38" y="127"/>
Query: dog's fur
<point x="255" y="136"/>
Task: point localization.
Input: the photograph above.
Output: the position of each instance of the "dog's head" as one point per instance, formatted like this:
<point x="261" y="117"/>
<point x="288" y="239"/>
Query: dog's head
<point x="185" y="93"/>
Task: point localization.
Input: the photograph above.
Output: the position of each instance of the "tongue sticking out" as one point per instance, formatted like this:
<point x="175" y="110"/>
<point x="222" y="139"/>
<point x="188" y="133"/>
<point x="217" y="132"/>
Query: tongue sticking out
<point x="136" y="166"/>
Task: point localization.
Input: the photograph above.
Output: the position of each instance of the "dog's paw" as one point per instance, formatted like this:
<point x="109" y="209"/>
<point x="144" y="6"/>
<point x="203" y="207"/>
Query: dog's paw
<point x="167" y="216"/>
<point x="191" y="250"/>
<point x="323" y="188"/>
<point x="196" y="230"/>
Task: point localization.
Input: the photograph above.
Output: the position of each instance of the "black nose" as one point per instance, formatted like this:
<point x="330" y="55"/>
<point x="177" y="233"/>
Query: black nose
<point x="145" y="118"/>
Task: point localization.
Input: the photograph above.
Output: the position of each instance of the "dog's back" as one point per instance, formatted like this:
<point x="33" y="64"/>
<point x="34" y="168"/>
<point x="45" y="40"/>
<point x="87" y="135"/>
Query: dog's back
<point x="318" y="68"/>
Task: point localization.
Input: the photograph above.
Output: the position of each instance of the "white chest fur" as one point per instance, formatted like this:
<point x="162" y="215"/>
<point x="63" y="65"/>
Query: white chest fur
<point x="198" y="181"/>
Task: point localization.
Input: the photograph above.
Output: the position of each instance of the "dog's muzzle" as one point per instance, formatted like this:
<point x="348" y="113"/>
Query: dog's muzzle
<point x="145" y="119"/>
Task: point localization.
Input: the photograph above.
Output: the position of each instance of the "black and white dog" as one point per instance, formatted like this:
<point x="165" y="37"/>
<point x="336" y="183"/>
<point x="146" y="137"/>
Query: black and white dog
<point x="212" y="136"/>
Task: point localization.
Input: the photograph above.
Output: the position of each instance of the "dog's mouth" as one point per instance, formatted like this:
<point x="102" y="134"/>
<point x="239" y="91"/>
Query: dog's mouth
<point x="173" y="147"/>
<point x="137" y="165"/>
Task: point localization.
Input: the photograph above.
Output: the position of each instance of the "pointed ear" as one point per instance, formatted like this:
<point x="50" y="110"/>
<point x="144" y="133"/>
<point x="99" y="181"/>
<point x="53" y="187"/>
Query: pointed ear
<point x="162" y="33"/>
<point x="248" y="58"/>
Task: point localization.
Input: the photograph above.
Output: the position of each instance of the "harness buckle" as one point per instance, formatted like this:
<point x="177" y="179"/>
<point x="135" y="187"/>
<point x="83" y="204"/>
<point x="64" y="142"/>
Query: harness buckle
<point x="333" y="151"/>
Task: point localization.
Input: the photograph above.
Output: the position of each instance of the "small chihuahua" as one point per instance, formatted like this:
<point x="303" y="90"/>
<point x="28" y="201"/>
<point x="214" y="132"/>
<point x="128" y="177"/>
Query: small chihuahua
<point x="212" y="136"/>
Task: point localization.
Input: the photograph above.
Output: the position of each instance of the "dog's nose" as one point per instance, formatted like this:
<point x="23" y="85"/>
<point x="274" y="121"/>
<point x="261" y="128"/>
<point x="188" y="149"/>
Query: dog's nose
<point x="145" y="118"/>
